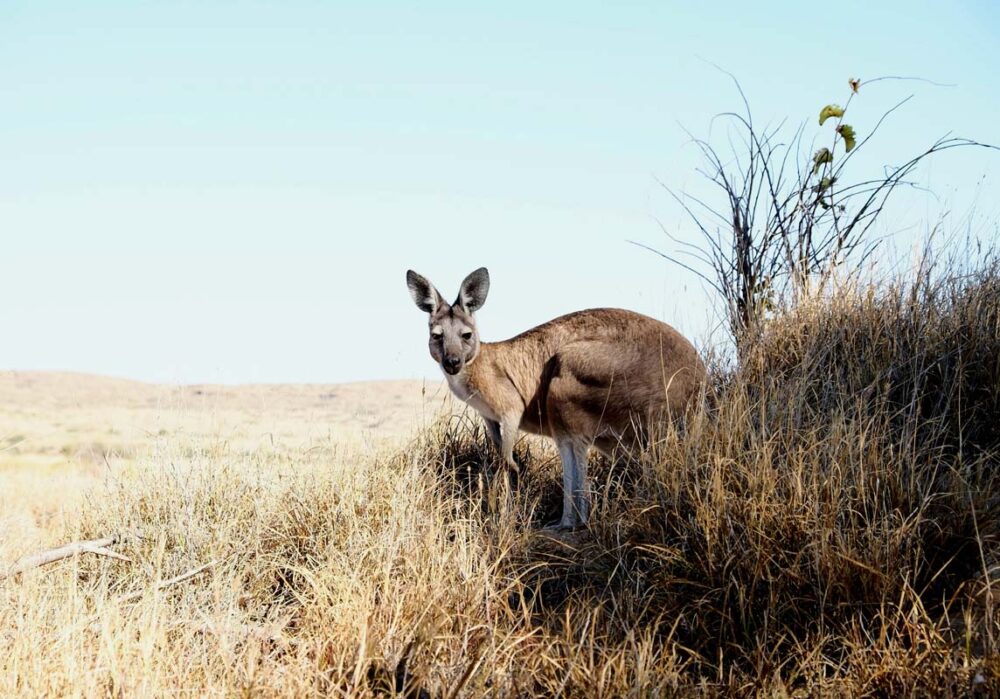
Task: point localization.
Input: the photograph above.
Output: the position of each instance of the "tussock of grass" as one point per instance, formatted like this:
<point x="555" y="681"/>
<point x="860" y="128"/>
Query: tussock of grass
<point x="826" y="523"/>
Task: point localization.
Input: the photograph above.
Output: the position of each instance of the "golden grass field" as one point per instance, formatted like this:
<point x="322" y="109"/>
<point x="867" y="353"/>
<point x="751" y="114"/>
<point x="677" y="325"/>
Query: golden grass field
<point x="62" y="435"/>
<point x="826" y="523"/>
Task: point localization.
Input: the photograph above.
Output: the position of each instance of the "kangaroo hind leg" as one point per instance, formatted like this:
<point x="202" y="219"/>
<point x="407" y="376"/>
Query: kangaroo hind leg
<point x="576" y="495"/>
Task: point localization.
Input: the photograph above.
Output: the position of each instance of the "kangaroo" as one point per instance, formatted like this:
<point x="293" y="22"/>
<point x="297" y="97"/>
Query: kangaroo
<point x="597" y="377"/>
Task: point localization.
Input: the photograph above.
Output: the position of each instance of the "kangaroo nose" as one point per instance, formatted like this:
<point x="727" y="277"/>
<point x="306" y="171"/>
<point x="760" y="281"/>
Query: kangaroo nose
<point x="451" y="364"/>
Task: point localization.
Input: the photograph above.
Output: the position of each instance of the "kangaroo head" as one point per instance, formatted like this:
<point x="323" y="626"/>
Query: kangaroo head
<point x="454" y="340"/>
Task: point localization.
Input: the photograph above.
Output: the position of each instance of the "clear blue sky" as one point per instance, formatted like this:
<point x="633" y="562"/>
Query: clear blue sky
<point x="232" y="191"/>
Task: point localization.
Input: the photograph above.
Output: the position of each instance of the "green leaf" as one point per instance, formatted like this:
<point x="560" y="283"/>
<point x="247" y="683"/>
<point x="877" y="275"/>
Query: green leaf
<point x="847" y="132"/>
<point x="823" y="155"/>
<point x="830" y="110"/>
<point x="824" y="184"/>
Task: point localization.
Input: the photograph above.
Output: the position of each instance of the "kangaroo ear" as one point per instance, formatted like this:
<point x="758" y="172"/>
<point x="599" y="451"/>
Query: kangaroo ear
<point x="423" y="292"/>
<point x="472" y="294"/>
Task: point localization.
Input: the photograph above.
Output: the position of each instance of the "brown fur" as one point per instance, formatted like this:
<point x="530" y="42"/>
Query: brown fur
<point x="591" y="374"/>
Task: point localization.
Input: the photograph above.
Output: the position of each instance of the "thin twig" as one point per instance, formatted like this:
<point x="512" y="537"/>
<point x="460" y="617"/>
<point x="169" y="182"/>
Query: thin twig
<point x="172" y="581"/>
<point x="905" y="77"/>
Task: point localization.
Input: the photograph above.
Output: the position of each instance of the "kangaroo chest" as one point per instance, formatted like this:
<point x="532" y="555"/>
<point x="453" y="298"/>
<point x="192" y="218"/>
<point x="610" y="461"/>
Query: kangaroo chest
<point x="464" y="391"/>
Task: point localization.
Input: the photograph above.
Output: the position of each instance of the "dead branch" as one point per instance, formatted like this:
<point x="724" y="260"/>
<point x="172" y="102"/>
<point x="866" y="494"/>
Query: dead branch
<point x="172" y="581"/>
<point x="36" y="560"/>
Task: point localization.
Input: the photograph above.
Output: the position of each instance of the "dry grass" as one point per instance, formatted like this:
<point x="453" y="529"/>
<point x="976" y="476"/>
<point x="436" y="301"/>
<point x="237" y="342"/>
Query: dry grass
<point x="825" y="525"/>
<point x="63" y="434"/>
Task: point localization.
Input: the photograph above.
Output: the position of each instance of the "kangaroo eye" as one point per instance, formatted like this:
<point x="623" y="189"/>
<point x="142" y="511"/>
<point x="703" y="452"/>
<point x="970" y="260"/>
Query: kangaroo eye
<point x="466" y="336"/>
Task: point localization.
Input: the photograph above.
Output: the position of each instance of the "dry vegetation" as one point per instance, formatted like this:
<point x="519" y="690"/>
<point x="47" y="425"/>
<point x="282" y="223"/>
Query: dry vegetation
<point x="825" y="524"/>
<point x="62" y="433"/>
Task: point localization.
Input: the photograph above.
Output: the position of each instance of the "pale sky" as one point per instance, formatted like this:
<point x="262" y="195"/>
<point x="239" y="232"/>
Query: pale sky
<point x="233" y="191"/>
